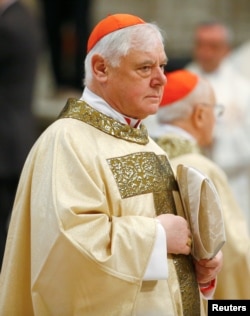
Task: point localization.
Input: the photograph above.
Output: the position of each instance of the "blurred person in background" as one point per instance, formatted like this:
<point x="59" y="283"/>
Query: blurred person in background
<point x="187" y="115"/>
<point x="231" y="146"/>
<point x="57" y="16"/>
<point x="19" y="49"/>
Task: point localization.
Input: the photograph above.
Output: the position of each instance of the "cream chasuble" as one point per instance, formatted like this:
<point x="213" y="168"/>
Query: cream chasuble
<point x="83" y="227"/>
<point x="233" y="279"/>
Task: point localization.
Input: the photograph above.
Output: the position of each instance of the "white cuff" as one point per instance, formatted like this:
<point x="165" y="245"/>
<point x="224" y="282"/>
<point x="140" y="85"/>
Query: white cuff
<point x="157" y="268"/>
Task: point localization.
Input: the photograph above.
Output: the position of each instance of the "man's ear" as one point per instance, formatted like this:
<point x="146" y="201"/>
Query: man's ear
<point x="198" y="116"/>
<point x="99" y="67"/>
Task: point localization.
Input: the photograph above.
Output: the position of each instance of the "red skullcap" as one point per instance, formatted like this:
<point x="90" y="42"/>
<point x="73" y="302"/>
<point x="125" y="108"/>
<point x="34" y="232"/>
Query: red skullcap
<point x="110" y="24"/>
<point x="179" y="84"/>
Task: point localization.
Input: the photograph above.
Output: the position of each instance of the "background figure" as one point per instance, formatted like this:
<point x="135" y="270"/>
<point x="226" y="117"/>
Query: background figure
<point x="187" y="116"/>
<point x="240" y="59"/>
<point x="231" y="146"/>
<point x="58" y="14"/>
<point x="19" y="47"/>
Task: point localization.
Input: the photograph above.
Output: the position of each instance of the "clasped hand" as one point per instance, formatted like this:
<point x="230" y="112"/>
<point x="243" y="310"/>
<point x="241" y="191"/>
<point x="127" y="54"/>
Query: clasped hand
<point x="178" y="242"/>
<point x="177" y="232"/>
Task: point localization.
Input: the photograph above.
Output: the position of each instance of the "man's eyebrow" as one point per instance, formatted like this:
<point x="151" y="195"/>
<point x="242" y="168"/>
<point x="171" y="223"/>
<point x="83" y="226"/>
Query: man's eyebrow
<point x="152" y="62"/>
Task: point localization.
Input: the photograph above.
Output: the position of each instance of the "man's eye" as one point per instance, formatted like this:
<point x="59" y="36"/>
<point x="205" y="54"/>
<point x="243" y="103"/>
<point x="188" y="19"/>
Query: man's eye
<point x="163" y="67"/>
<point x="145" y="68"/>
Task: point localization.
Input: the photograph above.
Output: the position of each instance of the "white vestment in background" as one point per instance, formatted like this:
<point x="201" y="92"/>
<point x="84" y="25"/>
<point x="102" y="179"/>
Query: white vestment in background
<point x="231" y="149"/>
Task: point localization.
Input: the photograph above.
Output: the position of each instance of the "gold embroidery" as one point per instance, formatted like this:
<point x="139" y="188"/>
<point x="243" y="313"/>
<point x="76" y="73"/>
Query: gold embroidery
<point x="136" y="174"/>
<point x="80" y="110"/>
<point x="175" y="146"/>
<point x="145" y="172"/>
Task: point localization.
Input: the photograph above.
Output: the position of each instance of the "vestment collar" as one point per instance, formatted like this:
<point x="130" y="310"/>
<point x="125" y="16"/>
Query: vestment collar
<point x="80" y="110"/>
<point x="102" y="106"/>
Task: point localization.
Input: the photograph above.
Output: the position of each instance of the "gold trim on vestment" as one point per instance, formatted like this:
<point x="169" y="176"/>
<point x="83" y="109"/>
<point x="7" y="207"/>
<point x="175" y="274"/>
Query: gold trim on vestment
<point x="175" y="146"/>
<point x="80" y="110"/>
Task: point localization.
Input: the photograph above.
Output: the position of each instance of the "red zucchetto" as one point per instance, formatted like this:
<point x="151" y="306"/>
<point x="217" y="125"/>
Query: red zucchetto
<point x="110" y="24"/>
<point x="179" y="84"/>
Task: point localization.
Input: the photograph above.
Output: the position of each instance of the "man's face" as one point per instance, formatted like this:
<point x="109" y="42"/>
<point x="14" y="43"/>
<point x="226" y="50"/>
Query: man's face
<point x="210" y="47"/>
<point x="135" y="87"/>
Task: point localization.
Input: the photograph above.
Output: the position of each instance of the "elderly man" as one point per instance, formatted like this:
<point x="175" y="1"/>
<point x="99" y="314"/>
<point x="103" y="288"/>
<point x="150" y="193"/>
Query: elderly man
<point x="94" y="229"/>
<point x="187" y="118"/>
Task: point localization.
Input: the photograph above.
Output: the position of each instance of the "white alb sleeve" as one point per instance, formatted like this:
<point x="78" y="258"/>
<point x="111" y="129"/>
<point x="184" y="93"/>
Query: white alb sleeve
<point x="157" y="268"/>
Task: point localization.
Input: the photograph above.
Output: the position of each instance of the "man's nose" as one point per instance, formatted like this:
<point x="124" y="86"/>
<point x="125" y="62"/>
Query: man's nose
<point x="159" y="77"/>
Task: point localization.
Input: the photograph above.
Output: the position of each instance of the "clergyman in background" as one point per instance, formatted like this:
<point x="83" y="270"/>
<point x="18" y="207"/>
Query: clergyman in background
<point x="187" y="116"/>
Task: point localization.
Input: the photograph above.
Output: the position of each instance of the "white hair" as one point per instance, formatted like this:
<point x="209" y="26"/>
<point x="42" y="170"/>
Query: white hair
<point x="183" y="108"/>
<point x="117" y="44"/>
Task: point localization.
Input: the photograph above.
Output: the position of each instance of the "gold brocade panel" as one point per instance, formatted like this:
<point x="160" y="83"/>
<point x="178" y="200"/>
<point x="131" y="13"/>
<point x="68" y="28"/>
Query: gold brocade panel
<point x="142" y="173"/>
